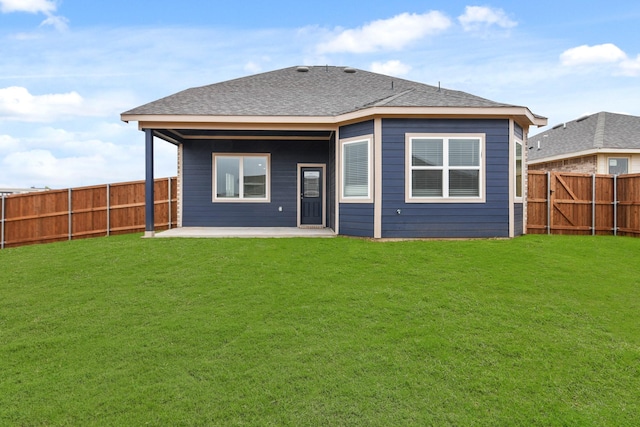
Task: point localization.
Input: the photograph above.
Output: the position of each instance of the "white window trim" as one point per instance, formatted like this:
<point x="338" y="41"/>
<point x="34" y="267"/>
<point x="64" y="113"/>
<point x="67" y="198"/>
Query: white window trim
<point x="482" y="168"/>
<point x="609" y="158"/>
<point x="357" y="199"/>
<point x="216" y="199"/>
<point x="520" y="198"/>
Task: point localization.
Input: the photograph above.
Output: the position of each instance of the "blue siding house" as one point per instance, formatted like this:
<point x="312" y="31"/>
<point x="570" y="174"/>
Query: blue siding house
<point x="360" y="153"/>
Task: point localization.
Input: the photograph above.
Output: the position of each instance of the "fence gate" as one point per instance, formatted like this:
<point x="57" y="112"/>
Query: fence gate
<point x="571" y="203"/>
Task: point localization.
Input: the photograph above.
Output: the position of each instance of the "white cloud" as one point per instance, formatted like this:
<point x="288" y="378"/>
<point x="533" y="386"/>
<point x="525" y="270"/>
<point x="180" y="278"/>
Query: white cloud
<point x="252" y="67"/>
<point x="392" y="68"/>
<point x="18" y="104"/>
<point x="607" y="54"/>
<point x="60" y="23"/>
<point x="387" y="34"/>
<point x="588" y="55"/>
<point x="630" y="67"/>
<point x="46" y="7"/>
<point x="29" y="6"/>
<point x="8" y="144"/>
<point x="478" y="18"/>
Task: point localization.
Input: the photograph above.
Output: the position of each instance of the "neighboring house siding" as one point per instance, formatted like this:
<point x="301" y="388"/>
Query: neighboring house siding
<point x="518" y="214"/>
<point x="587" y="164"/>
<point x="356" y="219"/>
<point x="489" y="219"/>
<point x="198" y="208"/>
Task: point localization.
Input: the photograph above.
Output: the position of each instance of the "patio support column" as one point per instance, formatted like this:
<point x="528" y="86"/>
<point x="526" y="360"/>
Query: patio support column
<point x="149" y="197"/>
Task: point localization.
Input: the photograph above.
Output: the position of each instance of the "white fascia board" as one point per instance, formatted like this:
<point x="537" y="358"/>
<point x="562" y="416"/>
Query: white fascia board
<point x="585" y="153"/>
<point x="145" y="121"/>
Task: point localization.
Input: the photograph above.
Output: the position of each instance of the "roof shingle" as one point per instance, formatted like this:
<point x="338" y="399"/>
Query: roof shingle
<point x="597" y="131"/>
<point x="318" y="91"/>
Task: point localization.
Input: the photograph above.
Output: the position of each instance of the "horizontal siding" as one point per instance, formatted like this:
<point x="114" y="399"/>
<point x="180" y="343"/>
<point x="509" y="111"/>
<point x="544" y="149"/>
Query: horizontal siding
<point x="200" y="211"/>
<point x="356" y="129"/>
<point x="518" y="131"/>
<point x="356" y="219"/>
<point x="490" y="219"/>
<point x="519" y="219"/>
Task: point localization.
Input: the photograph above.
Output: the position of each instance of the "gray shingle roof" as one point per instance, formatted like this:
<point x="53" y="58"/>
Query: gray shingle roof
<point x="319" y="91"/>
<point x="598" y="131"/>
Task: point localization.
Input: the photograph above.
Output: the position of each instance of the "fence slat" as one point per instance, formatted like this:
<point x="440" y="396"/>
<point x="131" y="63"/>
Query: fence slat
<point x="77" y="213"/>
<point x="582" y="203"/>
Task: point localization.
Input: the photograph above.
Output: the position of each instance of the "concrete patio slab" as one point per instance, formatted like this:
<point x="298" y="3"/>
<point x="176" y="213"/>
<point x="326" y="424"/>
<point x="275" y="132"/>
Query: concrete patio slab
<point x="246" y="232"/>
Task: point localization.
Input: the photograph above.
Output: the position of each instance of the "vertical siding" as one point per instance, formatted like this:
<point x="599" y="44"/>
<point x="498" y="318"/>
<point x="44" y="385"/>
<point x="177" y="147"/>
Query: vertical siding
<point x="198" y="208"/>
<point x="356" y="219"/>
<point x="490" y="219"/>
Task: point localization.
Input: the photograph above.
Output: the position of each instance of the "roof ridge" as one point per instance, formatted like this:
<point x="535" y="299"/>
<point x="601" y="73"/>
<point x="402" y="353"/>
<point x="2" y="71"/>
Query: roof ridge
<point x="598" y="136"/>
<point x="385" y="101"/>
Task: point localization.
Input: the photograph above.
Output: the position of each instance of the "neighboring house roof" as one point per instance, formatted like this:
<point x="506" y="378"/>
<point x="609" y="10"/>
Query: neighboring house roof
<point x="600" y="132"/>
<point x="318" y="91"/>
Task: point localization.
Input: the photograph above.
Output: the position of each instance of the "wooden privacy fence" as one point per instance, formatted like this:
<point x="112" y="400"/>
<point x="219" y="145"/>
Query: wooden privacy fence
<point x="583" y="204"/>
<point x="83" y="212"/>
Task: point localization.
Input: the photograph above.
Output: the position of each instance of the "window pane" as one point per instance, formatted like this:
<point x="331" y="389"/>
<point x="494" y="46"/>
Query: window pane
<point x="464" y="183"/>
<point x="228" y="177"/>
<point x="518" y="169"/>
<point x="618" y="166"/>
<point x="426" y="183"/>
<point x="464" y="152"/>
<point x="356" y="169"/>
<point x="311" y="184"/>
<point x="255" y="177"/>
<point x="426" y="152"/>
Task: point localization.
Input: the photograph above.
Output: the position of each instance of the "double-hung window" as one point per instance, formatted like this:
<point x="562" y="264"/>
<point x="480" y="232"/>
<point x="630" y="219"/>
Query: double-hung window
<point x="444" y="168"/>
<point x="240" y="177"/>
<point x="356" y="170"/>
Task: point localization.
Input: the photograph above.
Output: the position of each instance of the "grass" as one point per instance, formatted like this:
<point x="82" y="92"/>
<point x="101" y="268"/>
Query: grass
<point x="539" y="330"/>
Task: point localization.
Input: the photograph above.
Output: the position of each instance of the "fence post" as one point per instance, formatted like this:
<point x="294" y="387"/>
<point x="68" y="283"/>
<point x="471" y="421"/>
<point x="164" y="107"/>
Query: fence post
<point x="2" y="225"/>
<point x="108" y="209"/>
<point x="615" y="205"/>
<point x="548" y="202"/>
<point x="593" y="204"/>
<point x="169" y="198"/>
<point x="70" y="221"/>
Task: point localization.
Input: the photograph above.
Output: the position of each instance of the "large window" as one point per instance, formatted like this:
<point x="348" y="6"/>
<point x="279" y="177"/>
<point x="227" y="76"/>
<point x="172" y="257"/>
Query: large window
<point x="444" y="168"/>
<point x="241" y="177"/>
<point x="518" y="166"/>
<point x="356" y="170"/>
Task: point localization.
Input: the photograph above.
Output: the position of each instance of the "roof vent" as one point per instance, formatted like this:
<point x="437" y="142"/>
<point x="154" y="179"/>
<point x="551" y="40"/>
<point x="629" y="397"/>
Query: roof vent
<point x="583" y="118"/>
<point x="561" y="125"/>
<point x="349" y="70"/>
<point x="302" y="69"/>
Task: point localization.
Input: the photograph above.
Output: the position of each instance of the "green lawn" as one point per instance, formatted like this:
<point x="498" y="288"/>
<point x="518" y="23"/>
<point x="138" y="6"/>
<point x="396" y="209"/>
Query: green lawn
<point x="124" y="331"/>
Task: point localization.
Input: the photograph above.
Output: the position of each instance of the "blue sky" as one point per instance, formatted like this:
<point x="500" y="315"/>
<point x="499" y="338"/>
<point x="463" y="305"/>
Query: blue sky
<point x="68" y="68"/>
